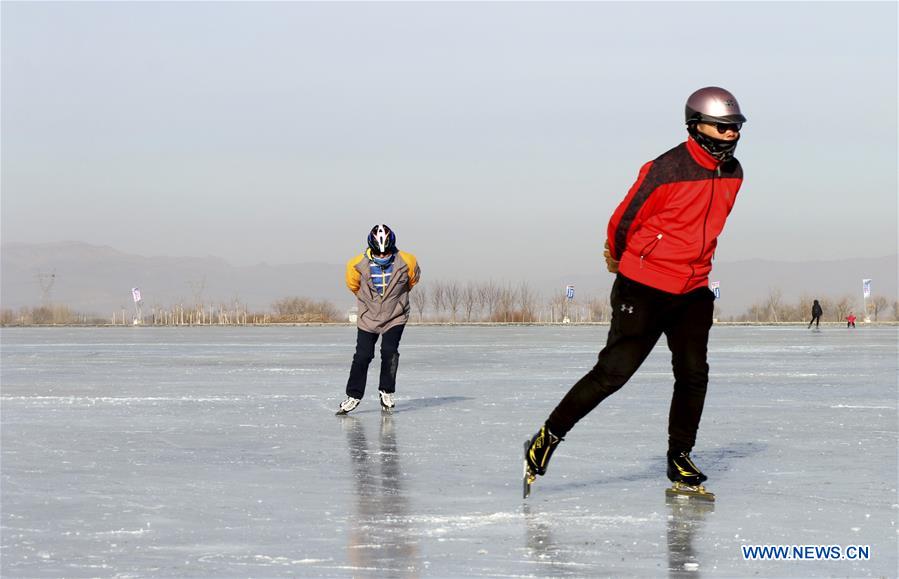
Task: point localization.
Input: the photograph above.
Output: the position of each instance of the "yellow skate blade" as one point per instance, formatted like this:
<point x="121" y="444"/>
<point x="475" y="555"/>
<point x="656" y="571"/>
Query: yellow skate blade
<point x="682" y="490"/>
<point x="527" y="478"/>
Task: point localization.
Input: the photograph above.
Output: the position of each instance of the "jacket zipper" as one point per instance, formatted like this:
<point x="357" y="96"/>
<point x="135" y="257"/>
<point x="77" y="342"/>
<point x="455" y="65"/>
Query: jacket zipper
<point x="654" y="243"/>
<point x="716" y="173"/>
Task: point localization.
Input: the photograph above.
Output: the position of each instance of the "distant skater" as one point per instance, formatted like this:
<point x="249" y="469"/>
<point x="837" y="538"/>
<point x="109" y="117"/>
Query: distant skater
<point x="660" y="242"/>
<point x="850" y="320"/>
<point x="381" y="278"/>
<point x="817" y="312"/>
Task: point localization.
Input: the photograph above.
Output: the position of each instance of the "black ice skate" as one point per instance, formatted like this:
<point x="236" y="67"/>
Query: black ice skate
<point x="537" y="453"/>
<point x="686" y="477"/>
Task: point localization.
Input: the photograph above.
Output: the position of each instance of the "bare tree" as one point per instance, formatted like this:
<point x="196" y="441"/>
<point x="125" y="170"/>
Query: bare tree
<point x="438" y="297"/>
<point x="879" y="306"/>
<point x="293" y="309"/>
<point x="7" y="317"/>
<point x="557" y="305"/>
<point x="453" y="297"/>
<point x="527" y="301"/>
<point x="843" y="306"/>
<point x="773" y="303"/>
<point x="600" y="309"/>
<point x="419" y="299"/>
<point x="470" y="299"/>
<point x="488" y="295"/>
<point x="828" y="308"/>
<point x="506" y="301"/>
<point x="754" y="313"/>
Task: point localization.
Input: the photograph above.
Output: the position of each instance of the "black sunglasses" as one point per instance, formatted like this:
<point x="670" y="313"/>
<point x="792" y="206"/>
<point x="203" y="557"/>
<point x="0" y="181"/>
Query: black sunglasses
<point x="724" y="127"/>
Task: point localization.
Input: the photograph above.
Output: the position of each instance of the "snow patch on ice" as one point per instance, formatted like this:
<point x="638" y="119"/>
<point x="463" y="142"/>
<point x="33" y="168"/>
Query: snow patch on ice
<point x="122" y="532"/>
<point x="114" y="400"/>
<point x="444" y="524"/>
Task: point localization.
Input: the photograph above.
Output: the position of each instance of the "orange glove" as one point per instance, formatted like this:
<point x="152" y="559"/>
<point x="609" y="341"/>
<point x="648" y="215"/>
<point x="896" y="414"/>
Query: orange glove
<point x="611" y="264"/>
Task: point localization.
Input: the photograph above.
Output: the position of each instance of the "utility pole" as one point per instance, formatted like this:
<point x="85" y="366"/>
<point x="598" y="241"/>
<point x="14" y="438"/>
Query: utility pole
<point x="46" y="281"/>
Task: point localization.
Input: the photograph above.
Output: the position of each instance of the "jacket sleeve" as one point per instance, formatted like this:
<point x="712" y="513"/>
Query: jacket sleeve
<point x="353" y="277"/>
<point x="621" y="224"/>
<point x="414" y="269"/>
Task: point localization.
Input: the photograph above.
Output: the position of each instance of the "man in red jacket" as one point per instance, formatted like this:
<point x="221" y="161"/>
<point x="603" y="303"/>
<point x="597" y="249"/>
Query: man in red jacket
<point x="660" y="243"/>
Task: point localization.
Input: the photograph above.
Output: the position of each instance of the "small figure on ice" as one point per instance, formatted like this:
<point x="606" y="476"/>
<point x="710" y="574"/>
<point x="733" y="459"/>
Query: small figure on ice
<point x="381" y="278"/>
<point x="850" y="320"/>
<point x="817" y="312"/>
<point x="660" y="243"/>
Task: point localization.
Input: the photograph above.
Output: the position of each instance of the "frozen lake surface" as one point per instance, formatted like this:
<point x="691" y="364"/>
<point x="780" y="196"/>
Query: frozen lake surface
<point x="215" y="452"/>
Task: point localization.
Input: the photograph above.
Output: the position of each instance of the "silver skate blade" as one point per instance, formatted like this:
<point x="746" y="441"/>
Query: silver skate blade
<point x="526" y="478"/>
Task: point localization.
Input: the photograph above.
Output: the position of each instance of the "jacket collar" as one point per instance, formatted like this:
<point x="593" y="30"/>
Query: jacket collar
<point x="700" y="155"/>
<point x="398" y="265"/>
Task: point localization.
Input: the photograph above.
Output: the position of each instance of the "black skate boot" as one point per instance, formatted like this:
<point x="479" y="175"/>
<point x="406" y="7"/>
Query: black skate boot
<point x="537" y="453"/>
<point x="686" y="476"/>
<point x="681" y="469"/>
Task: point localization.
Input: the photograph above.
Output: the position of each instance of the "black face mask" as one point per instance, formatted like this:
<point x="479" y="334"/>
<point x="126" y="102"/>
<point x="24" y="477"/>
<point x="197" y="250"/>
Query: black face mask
<point x="721" y="150"/>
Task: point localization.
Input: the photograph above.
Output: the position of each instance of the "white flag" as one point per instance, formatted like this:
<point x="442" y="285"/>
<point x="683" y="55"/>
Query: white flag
<point x="866" y="287"/>
<point x="135" y="293"/>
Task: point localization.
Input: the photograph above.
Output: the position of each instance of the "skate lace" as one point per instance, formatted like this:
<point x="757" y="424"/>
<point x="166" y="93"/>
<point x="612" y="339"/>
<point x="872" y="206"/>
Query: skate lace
<point x="686" y="459"/>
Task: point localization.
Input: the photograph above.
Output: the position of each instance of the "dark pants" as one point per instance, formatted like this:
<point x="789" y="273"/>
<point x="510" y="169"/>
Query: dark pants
<point x="365" y="353"/>
<point x="640" y="315"/>
<point x="815" y="320"/>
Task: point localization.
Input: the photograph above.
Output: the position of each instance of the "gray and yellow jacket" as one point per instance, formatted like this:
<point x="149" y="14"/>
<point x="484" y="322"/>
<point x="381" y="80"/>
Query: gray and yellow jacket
<point x="378" y="313"/>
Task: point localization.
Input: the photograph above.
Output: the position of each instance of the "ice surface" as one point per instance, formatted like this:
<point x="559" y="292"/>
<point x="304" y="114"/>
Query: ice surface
<point x="216" y="452"/>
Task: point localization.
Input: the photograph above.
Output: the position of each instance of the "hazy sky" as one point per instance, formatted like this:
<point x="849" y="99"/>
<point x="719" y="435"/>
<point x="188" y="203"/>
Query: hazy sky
<point x="496" y="138"/>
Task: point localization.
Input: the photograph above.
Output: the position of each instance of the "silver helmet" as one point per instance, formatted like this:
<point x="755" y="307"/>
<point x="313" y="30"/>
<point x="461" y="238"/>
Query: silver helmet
<point x="713" y="104"/>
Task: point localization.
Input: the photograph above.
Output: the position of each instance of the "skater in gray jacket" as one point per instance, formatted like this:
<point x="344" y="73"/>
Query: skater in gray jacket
<point x="381" y="278"/>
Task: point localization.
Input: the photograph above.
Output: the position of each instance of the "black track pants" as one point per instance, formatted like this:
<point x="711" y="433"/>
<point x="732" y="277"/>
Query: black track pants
<point x="640" y="315"/>
<point x="365" y="353"/>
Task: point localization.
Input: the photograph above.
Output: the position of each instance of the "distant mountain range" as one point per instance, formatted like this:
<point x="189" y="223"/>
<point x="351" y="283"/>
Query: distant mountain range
<point x="98" y="279"/>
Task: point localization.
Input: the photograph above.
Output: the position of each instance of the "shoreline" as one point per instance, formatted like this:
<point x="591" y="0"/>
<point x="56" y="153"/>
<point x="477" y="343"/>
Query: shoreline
<point x="887" y="323"/>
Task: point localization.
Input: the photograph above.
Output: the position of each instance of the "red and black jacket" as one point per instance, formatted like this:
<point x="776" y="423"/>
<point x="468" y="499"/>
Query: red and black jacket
<point x="665" y="231"/>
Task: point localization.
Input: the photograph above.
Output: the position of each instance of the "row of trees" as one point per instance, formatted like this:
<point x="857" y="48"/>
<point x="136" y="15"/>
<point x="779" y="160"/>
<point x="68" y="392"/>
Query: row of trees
<point x="454" y="302"/>
<point x="449" y="301"/>
<point x="774" y="308"/>
<point x="46" y="315"/>
<point x="287" y="310"/>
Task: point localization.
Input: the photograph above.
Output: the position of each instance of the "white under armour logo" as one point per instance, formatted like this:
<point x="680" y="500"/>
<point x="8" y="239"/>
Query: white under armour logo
<point x="628" y="309"/>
